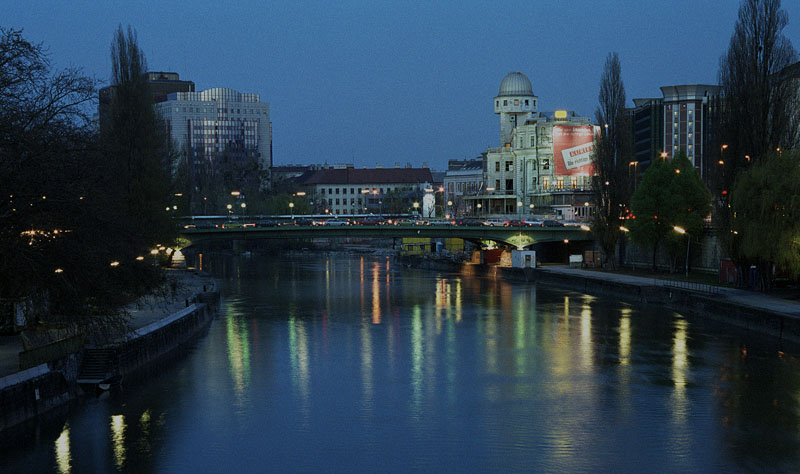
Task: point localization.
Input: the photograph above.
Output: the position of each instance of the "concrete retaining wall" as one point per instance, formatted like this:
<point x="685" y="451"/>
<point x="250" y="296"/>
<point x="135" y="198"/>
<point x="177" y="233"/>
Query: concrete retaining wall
<point x="32" y="392"/>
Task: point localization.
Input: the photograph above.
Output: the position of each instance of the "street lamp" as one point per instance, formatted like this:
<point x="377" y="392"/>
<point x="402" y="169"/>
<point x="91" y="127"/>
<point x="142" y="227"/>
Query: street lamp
<point x="479" y="208"/>
<point x="416" y="207"/>
<point x="519" y="210"/>
<point x="291" y="209"/>
<point x="682" y="231"/>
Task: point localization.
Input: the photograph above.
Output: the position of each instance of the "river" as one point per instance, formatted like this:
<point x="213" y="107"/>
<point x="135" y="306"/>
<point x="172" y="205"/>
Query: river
<point x="346" y="363"/>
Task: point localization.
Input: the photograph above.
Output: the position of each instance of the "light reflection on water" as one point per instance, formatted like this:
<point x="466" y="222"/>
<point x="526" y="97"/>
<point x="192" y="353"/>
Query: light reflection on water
<point x="360" y="365"/>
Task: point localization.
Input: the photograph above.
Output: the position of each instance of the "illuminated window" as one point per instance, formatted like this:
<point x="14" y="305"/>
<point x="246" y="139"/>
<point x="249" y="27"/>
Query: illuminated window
<point x="560" y="183"/>
<point x="545" y="182"/>
<point x="573" y="181"/>
<point x="516" y="101"/>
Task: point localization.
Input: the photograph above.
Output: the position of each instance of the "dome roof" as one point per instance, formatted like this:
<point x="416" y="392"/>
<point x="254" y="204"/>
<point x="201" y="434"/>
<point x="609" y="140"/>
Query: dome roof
<point x="516" y="84"/>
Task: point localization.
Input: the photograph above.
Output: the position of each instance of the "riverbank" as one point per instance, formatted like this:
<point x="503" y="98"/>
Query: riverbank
<point x="158" y="325"/>
<point x="749" y="310"/>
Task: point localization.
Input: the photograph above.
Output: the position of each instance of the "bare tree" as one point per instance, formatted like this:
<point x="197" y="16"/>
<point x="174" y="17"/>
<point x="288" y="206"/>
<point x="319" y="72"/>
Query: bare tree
<point x="611" y="159"/>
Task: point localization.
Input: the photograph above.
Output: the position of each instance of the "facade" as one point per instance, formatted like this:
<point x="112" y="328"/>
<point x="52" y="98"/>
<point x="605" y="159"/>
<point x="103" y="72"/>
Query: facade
<point x="647" y="128"/>
<point x="688" y="123"/>
<point x="463" y="178"/>
<point x="544" y="163"/>
<point x="220" y="129"/>
<point x="345" y="189"/>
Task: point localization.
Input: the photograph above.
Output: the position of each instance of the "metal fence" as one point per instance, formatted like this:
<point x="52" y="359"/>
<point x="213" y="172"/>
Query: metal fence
<point x="689" y="285"/>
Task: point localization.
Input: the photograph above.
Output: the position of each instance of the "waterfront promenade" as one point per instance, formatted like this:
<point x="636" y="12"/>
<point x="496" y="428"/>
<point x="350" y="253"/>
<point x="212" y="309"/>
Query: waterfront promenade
<point x="143" y="312"/>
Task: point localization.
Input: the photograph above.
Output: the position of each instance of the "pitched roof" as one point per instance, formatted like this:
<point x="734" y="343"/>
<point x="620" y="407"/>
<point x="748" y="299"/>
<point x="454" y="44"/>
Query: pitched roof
<point x="367" y="176"/>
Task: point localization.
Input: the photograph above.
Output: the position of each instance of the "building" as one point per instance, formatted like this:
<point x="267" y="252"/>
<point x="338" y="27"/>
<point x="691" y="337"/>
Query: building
<point x="689" y="112"/>
<point x="647" y="128"/>
<point x="462" y="178"/>
<point x="220" y="131"/>
<point x="161" y="85"/>
<point x="344" y="189"/>
<point x="544" y="163"/>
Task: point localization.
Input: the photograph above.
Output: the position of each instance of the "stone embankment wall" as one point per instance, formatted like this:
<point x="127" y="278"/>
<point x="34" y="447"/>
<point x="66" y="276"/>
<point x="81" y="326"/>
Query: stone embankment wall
<point x="782" y="326"/>
<point x="32" y="392"/>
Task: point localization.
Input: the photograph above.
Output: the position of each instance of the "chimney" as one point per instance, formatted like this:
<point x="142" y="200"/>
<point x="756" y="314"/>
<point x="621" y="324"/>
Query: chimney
<point x="424" y="164"/>
<point x="378" y="166"/>
<point x="396" y="164"/>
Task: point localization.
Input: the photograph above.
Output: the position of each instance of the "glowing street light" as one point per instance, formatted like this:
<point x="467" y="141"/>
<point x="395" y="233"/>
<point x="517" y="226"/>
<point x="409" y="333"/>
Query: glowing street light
<point x="624" y="229"/>
<point x="585" y="227"/>
<point x="235" y="193"/>
<point x="682" y="231"/>
<point x="291" y="209"/>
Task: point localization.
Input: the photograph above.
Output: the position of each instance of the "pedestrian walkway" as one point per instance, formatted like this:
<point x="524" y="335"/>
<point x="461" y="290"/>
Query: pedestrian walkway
<point x="744" y="298"/>
<point x="180" y="291"/>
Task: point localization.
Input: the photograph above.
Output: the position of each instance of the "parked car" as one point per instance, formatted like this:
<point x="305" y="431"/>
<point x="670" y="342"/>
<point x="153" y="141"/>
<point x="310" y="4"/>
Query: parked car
<point x="337" y="222"/>
<point x="517" y="223"/>
<point x="533" y="223"/>
<point x="266" y="223"/>
<point x="552" y="223"/>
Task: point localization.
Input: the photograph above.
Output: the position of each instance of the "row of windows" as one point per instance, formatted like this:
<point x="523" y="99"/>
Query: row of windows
<point x="509" y="165"/>
<point x="516" y="102"/>
<point x="332" y="191"/>
<point x="461" y="187"/>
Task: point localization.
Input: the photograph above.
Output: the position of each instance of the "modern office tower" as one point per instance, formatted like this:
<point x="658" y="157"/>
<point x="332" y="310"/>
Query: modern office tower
<point x="161" y="84"/>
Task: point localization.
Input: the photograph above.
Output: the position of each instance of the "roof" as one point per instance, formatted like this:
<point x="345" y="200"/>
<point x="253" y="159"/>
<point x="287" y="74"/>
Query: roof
<point x="367" y="176"/>
<point x="515" y="84"/>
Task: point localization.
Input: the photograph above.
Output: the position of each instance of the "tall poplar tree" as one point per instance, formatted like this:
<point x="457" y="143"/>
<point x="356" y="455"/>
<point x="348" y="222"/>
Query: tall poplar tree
<point x="612" y="157"/>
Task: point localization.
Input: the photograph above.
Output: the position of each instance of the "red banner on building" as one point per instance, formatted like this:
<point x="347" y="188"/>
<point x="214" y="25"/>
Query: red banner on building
<point x="573" y="147"/>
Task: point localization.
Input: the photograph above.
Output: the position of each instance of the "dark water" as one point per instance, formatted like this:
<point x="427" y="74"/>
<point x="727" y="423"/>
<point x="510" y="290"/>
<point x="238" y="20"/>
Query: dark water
<point x="327" y="363"/>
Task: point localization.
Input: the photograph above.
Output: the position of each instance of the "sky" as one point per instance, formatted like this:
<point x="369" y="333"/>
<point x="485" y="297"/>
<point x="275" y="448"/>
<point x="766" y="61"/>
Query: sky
<point x="383" y="82"/>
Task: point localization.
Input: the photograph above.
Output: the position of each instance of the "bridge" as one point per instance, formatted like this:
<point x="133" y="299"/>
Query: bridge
<point x="519" y="237"/>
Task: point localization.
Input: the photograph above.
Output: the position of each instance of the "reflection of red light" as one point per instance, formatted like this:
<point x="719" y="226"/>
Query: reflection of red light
<point x="724" y="192"/>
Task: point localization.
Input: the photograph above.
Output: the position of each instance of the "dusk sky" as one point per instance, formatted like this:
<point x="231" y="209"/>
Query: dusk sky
<point x="375" y="82"/>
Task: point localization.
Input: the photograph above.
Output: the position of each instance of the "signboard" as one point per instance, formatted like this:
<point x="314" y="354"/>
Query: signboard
<point x="573" y="147"/>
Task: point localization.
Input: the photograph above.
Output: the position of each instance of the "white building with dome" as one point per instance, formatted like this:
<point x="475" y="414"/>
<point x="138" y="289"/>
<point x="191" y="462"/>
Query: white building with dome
<point x="543" y="164"/>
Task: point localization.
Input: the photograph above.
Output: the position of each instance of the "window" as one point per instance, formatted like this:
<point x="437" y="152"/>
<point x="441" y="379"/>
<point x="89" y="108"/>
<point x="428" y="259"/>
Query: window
<point x="509" y="185"/>
<point x="573" y="181"/>
<point x="516" y="101"/>
<point x="546" y="182"/>
<point x="497" y="166"/>
<point x="545" y="164"/>
<point x="497" y="184"/>
<point x="505" y="102"/>
<point x="337" y="201"/>
<point x="323" y="191"/>
<point x="509" y="166"/>
<point x="534" y="102"/>
<point x="337" y="192"/>
<point x="497" y="103"/>
<point x="526" y="101"/>
<point x="330" y="190"/>
<point x="560" y="183"/>
<point x="533" y="181"/>
<point x="533" y="141"/>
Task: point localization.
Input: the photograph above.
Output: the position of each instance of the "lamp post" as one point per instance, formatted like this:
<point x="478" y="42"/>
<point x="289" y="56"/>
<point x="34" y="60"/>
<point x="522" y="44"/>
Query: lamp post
<point x="681" y="230"/>
<point x="479" y="208"/>
<point x="519" y="210"/>
<point x="416" y="207"/>
<point x="291" y="210"/>
<point x="447" y="211"/>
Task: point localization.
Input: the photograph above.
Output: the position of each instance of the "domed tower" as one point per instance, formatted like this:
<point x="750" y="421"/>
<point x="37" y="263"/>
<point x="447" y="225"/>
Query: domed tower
<point x="515" y="102"/>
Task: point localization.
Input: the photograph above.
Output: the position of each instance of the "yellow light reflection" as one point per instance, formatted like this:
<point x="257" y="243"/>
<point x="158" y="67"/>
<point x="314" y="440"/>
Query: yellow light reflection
<point x="625" y="337"/>
<point x="679" y="402"/>
<point x="118" y="439"/>
<point x="63" y="455"/>
<point x="366" y="365"/>
<point x="680" y="355"/>
<point x="458" y="300"/>
<point x="586" y="338"/>
<point x="238" y="353"/>
<point x="376" y="295"/>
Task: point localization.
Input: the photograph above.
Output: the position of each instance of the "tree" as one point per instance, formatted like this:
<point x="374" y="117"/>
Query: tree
<point x="670" y="194"/>
<point x="58" y="235"/>
<point x="766" y="216"/>
<point x="138" y="150"/>
<point x="760" y="104"/>
<point x="611" y="159"/>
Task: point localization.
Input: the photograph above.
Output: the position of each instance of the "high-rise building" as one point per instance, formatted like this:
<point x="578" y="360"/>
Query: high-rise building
<point x="220" y="129"/>
<point x="688" y="123"/>
<point x="647" y="123"/>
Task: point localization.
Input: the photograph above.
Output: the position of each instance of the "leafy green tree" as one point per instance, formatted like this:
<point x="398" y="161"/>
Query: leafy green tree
<point x="612" y="157"/>
<point x="766" y="216"/>
<point x="671" y="194"/>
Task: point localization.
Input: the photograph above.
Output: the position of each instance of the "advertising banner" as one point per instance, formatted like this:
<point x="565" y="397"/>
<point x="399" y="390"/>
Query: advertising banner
<point x="572" y="150"/>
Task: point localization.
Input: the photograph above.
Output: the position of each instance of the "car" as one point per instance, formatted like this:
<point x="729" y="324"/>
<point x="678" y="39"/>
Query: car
<point x="551" y="223"/>
<point x="517" y="223"/>
<point x="266" y="223"/>
<point x="496" y="222"/>
<point x="439" y="222"/>
<point x="475" y="222"/>
<point x="533" y="223"/>
<point x="372" y="220"/>
<point x="337" y="222"/>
